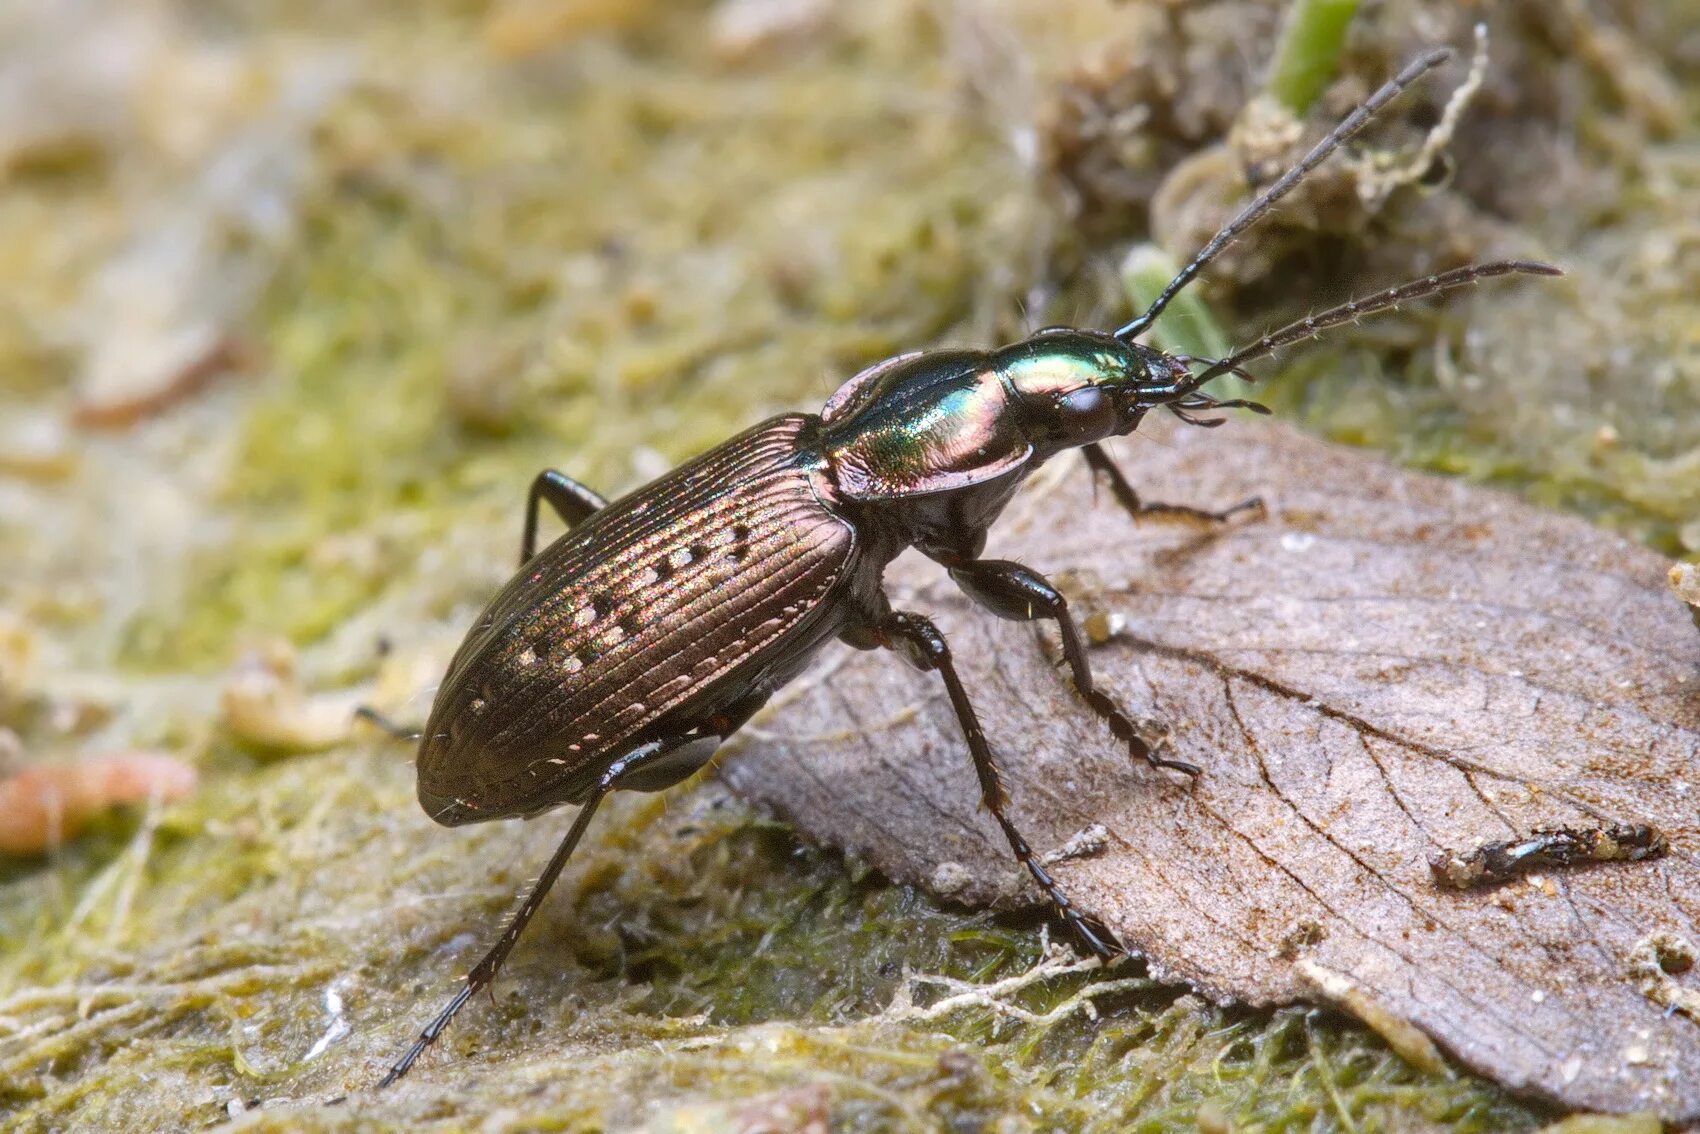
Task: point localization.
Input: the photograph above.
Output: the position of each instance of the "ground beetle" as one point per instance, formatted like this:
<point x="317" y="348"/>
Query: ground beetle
<point x="625" y="652"/>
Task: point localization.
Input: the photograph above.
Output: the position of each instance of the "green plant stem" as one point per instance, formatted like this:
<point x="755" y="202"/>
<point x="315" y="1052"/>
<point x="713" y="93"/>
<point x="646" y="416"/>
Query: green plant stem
<point x="1309" y="51"/>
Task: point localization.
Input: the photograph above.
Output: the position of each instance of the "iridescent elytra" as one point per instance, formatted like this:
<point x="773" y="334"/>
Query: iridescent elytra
<point x="625" y="652"/>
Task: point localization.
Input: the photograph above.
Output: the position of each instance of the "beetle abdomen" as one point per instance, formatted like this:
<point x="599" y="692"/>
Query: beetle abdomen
<point x="687" y="585"/>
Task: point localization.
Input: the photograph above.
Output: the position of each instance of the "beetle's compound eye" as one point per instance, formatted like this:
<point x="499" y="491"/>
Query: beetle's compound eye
<point x="1086" y="415"/>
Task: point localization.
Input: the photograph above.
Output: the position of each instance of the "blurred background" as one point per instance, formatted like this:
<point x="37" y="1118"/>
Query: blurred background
<point x="295" y="298"/>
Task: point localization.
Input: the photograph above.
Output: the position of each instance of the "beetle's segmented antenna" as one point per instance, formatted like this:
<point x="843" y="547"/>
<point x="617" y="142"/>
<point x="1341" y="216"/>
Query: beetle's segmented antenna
<point x="1357" y="308"/>
<point x="1249" y="216"/>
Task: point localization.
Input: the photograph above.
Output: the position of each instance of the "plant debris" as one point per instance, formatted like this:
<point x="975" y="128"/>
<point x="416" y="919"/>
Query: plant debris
<point x="1685" y="581"/>
<point x="265" y="706"/>
<point x="44" y="805"/>
<point x="1546" y="846"/>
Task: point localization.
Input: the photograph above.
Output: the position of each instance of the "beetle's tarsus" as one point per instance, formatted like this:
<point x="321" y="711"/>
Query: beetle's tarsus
<point x="1096" y="937"/>
<point x="1102" y="465"/>
<point x="1191" y="770"/>
<point x="1204" y="515"/>
<point x="1020" y="594"/>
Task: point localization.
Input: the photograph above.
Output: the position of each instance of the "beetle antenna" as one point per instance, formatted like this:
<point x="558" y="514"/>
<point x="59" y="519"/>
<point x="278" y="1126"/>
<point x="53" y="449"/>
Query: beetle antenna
<point x="1347" y="312"/>
<point x="1249" y="215"/>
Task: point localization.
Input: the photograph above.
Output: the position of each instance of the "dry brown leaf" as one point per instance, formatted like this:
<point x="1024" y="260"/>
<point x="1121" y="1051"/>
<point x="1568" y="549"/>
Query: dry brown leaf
<point x="1388" y="666"/>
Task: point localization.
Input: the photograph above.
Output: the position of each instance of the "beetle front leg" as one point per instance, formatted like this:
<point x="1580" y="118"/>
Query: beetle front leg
<point x="484" y="972"/>
<point x="920" y="642"/>
<point x="572" y="501"/>
<point x="1019" y="593"/>
<point x="1101" y="465"/>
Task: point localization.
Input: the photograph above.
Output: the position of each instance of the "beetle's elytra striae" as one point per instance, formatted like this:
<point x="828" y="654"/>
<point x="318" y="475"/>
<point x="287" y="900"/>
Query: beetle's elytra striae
<point x="625" y="652"/>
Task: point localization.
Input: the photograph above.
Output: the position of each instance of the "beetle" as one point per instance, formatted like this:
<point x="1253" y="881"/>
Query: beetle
<point x="623" y="654"/>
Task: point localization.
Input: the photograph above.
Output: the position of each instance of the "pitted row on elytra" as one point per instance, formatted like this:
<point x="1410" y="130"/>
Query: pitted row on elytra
<point x="625" y="652"/>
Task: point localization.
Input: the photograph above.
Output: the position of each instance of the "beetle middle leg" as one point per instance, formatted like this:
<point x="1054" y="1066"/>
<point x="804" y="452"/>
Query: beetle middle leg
<point x="572" y="501"/>
<point x="379" y="721"/>
<point x="921" y="643"/>
<point x="1098" y="460"/>
<point x="1019" y="593"/>
<point x="619" y="774"/>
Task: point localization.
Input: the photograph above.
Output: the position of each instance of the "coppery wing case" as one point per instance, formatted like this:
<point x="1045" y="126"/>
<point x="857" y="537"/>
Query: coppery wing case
<point x="621" y="621"/>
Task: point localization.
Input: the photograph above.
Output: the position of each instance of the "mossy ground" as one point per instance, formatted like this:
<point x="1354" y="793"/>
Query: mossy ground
<point x="604" y="253"/>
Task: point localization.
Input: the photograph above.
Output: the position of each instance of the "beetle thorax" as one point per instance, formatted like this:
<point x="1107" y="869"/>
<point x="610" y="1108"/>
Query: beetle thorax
<point x="921" y="425"/>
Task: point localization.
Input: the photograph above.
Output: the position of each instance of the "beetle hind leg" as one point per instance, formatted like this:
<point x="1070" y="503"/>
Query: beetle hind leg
<point x="619" y="774"/>
<point x="921" y="643"/>
<point x="1019" y="593"/>
<point x="1101" y="465"/>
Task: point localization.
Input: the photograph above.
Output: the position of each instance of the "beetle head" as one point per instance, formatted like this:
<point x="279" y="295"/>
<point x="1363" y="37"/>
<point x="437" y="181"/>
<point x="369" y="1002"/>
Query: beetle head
<point x="1076" y="387"/>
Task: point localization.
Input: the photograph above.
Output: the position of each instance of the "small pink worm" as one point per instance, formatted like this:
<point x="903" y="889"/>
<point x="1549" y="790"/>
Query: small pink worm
<point x="43" y="806"/>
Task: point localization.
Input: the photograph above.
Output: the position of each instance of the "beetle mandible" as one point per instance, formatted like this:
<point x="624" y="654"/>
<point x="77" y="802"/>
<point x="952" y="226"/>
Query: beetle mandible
<point x="624" y="653"/>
